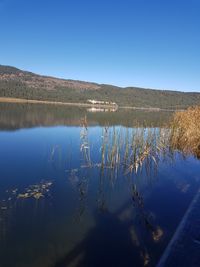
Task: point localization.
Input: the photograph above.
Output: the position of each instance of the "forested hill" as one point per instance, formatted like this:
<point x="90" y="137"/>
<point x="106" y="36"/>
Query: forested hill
<point x="16" y="83"/>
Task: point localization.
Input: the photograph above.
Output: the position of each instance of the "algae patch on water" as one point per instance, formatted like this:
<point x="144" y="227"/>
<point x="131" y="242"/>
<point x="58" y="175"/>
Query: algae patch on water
<point x="36" y="191"/>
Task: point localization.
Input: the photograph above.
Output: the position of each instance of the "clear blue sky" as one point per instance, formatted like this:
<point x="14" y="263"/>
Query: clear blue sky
<point x="147" y="43"/>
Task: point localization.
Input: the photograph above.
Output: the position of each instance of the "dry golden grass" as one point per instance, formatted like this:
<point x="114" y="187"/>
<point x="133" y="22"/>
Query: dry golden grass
<point x="185" y="128"/>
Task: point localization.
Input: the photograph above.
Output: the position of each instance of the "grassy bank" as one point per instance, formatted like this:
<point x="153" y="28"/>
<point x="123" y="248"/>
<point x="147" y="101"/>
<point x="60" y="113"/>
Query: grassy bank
<point x="185" y="131"/>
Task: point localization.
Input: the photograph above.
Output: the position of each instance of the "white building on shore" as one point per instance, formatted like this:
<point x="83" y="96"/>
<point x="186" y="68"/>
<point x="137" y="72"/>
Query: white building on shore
<point x="98" y="102"/>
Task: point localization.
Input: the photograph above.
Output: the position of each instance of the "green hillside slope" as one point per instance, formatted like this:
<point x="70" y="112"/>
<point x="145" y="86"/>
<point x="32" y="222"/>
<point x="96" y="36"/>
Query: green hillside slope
<point x="22" y="84"/>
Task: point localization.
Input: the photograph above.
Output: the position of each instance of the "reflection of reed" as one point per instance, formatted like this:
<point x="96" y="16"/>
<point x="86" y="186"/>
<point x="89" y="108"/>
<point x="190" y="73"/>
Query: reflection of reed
<point x="129" y="152"/>
<point x="134" y="150"/>
<point x="5" y="218"/>
<point x="85" y="147"/>
<point x="82" y="191"/>
<point x="127" y="245"/>
<point x="138" y="201"/>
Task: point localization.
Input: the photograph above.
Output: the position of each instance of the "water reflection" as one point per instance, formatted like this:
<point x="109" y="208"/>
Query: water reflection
<point x="105" y="246"/>
<point x="67" y="199"/>
<point x="101" y="110"/>
<point x="17" y="116"/>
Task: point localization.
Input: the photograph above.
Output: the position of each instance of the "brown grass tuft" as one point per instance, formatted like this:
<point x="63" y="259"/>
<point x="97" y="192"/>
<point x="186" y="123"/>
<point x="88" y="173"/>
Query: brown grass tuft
<point x="185" y="128"/>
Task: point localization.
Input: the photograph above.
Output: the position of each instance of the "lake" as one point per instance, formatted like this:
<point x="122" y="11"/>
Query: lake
<point x="66" y="199"/>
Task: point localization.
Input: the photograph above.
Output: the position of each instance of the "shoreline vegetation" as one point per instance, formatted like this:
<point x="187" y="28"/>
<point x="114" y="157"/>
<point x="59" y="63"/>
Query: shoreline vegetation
<point x="143" y="147"/>
<point x="185" y="131"/>
<point x="87" y="105"/>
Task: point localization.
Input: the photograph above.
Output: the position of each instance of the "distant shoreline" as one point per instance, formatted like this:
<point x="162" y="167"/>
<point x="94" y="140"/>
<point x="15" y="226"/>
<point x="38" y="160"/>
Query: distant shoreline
<point x="32" y="101"/>
<point x="87" y="105"/>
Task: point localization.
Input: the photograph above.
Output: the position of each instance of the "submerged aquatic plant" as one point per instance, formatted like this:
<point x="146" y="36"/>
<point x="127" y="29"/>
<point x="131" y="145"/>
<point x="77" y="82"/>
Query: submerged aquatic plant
<point x="36" y="191"/>
<point x="8" y="205"/>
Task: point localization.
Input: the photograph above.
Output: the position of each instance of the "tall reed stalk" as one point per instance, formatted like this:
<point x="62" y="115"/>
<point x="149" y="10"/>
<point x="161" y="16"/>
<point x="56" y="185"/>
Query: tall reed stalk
<point x="134" y="149"/>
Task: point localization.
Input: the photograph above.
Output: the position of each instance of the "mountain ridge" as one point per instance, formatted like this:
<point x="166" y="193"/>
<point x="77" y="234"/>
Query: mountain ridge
<point x="17" y="83"/>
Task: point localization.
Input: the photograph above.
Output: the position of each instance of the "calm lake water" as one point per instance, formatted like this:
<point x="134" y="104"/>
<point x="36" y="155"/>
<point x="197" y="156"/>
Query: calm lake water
<point x="57" y="211"/>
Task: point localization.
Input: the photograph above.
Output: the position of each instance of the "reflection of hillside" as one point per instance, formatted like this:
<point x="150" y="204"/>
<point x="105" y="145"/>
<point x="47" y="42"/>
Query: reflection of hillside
<point x="16" y="116"/>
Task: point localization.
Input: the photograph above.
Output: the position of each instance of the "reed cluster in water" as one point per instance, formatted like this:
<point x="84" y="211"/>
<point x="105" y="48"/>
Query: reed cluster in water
<point x="185" y="131"/>
<point x="132" y="149"/>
